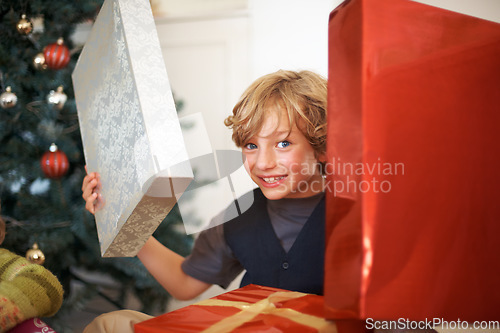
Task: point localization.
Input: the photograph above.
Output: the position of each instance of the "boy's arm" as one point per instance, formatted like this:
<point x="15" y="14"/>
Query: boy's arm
<point x="165" y="266"/>
<point x="163" y="263"/>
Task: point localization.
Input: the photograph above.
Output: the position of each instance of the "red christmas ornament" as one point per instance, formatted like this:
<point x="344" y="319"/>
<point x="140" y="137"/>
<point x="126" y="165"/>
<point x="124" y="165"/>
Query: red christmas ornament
<point x="54" y="163"/>
<point x="56" y="55"/>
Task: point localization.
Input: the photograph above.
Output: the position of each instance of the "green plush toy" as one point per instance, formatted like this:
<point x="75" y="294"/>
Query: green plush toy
<point x="26" y="290"/>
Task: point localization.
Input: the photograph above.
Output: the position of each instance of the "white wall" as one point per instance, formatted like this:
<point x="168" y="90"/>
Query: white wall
<point x="289" y="34"/>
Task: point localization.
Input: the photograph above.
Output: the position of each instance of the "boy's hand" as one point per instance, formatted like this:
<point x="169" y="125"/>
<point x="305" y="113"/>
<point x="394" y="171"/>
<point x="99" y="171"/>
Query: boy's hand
<point x="91" y="191"/>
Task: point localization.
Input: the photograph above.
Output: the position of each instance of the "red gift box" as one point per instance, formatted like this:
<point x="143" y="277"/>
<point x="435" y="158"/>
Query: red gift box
<point x="248" y="309"/>
<point x="413" y="163"/>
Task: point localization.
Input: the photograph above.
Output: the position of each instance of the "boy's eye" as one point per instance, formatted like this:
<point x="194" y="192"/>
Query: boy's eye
<point x="283" y="144"/>
<point x="251" y="146"/>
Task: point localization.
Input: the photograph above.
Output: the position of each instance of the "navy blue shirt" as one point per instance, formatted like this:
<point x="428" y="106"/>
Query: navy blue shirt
<point x="290" y="233"/>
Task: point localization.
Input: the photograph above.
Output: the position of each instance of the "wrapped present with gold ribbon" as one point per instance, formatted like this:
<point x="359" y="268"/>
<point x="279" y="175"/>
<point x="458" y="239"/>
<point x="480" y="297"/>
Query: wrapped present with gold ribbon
<point x="251" y="308"/>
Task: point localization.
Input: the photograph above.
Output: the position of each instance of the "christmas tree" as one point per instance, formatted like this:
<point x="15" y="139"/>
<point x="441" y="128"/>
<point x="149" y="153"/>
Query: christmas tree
<point x="40" y="183"/>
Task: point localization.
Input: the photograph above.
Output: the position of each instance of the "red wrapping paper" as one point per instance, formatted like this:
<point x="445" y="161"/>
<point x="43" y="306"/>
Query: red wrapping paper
<point x="32" y="325"/>
<point x="420" y="86"/>
<point x="259" y="309"/>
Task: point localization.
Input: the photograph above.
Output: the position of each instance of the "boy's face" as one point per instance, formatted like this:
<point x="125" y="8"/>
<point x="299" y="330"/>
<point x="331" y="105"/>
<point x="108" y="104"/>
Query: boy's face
<point x="283" y="165"/>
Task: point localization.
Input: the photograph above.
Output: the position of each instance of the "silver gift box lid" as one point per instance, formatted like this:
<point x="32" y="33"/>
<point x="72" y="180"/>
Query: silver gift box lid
<point x="129" y="126"/>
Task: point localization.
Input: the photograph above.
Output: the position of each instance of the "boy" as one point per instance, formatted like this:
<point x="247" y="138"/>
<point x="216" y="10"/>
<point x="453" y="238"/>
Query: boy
<point x="280" y="125"/>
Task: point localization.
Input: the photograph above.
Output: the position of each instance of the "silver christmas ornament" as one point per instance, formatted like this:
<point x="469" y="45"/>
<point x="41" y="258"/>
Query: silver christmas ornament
<point x="8" y="99"/>
<point x="57" y="98"/>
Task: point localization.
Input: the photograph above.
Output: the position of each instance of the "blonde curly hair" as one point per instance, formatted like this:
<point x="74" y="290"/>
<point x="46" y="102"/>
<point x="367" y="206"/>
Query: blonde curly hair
<point x="302" y="95"/>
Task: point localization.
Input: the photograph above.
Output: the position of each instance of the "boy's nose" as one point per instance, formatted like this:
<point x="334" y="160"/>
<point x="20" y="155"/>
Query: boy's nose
<point x="266" y="159"/>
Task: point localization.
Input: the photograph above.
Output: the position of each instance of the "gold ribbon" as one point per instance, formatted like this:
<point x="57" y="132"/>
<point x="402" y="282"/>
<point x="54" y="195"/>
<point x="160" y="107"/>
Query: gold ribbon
<point x="266" y="306"/>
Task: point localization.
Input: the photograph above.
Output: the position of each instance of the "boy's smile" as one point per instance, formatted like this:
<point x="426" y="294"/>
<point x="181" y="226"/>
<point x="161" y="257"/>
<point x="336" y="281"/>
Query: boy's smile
<point x="281" y="161"/>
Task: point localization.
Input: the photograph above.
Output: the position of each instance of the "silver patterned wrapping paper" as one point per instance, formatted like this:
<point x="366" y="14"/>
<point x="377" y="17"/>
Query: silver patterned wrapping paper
<point x="129" y="126"/>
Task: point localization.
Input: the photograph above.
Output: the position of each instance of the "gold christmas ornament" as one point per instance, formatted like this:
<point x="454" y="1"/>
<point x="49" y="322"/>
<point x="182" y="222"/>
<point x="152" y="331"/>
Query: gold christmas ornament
<point x="39" y="62"/>
<point x="35" y="255"/>
<point x="24" y="26"/>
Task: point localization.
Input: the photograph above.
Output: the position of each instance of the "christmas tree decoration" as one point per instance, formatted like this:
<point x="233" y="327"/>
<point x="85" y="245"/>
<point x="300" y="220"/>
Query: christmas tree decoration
<point x="35" y="255"/>
<point x="24" y="26"/>
<point x="54" y="163"/>
<point x="33" y="204"/>
<point x="8" y="99"/>
<point x="56" y="54"/>
<point x="57" y="98"/>
<point x="39" y="62"/>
